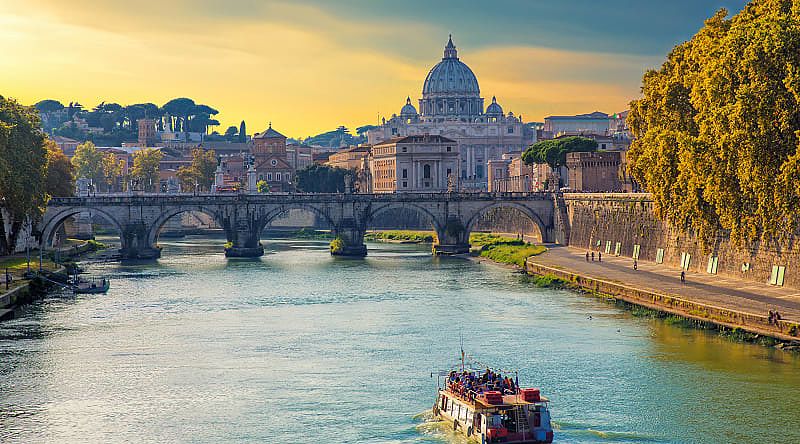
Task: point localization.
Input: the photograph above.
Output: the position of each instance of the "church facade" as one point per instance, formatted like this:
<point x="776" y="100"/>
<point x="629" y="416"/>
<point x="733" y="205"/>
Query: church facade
<point x="451" y="106"/>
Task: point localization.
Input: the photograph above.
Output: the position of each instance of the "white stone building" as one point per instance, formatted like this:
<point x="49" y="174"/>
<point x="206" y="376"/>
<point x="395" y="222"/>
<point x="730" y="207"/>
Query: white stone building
<point x="451" y="106"/>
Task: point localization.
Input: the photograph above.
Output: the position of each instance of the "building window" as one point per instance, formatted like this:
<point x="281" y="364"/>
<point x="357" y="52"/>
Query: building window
<point x="510" y="130"/>
<point x="479" y="171"/>
<point x="405" y="149"/>
<point x="394" y="131"/>
<point x="269" y="176"/>
<point x="449" y="149"/>
<point x="278" y="177"/>
<point x="405" y="173"/>
<point x="449" y="172"/>
<point x="405" y="184"/>
<point x="426" y="171"/>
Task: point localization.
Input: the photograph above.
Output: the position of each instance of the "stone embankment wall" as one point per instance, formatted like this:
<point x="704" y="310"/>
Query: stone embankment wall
<point x="759" y="324"/>
<point x="629" y="219"/>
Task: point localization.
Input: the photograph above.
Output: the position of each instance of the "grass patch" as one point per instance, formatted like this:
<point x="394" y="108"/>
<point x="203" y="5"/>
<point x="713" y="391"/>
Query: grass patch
<point x="305" y="233"/>
<point x="20" y="263"/>
<point x="546" y="281"/>
<point x="401" y="235"/>
<point x="504" y="250"/>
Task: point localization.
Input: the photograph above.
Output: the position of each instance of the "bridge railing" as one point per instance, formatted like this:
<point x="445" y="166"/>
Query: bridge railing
<point x="119" y="198"/>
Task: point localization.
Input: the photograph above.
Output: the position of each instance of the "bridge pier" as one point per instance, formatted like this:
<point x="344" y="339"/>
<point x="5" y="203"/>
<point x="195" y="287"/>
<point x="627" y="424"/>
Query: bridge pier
<point x="135" y="243"/>
<point x="452" y="239"/>
<point x="243" y="243"/>
<point x="349" y="239"/>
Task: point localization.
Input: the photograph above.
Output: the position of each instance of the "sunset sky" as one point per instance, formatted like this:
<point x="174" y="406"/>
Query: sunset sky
<point x="313" y="65"/>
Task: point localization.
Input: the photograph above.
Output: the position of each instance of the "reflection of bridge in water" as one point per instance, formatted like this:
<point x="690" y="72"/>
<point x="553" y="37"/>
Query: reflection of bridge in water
<point x="139" y="218"/>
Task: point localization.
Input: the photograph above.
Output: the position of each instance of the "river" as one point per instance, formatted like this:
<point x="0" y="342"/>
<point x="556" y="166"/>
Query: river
<point x="301" y="347"/>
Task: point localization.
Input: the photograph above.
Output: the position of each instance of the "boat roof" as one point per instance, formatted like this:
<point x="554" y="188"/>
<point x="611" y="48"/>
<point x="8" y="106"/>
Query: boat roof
<point x="508" y="401"/>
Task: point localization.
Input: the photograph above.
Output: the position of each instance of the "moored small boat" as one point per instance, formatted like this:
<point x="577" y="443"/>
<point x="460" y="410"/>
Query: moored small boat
<point x="489" y="406"/>
<point x="91" y="286"/>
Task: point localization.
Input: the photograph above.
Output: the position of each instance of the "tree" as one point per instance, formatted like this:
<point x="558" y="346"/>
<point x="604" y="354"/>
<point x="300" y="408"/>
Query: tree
<point x="88" y="162"/>
<point x="262" y="186"/>
<point x="48" y="106"/>
<point x="145" y="168"/>
<point x="60" y="181"/>
<point x="554" y="152"/>
<point x="201" y="172"/>
<point x="179" y="110"/>
<point x="23" y="161"/>
<point x="242" y="133"/>
<point x="230" y="134"/>
<point x="322" y="179"/>
<point x="716" y="130"/>
<point x="113" y="169"/>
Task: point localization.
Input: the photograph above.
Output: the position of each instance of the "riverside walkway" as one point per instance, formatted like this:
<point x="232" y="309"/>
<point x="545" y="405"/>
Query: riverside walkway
<point x="715" y="290"/>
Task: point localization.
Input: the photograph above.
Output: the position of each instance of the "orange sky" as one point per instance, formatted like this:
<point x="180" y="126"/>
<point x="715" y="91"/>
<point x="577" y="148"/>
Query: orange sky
<point x="301" y="67"/>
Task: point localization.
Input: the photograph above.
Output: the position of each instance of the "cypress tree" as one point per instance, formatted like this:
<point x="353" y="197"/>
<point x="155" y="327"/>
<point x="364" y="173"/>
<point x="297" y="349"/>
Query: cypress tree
<point x="242" y="132"/>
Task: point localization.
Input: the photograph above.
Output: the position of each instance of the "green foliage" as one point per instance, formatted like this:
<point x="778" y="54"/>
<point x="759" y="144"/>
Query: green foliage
<point x="548" y="281"/>
<point x="504" y="250"/>
<point x="88" y="162"/>
<point x="242" y="132"/>
<point x="48" y="106"/>
<point x="717" y="127"/>
<point x="145" y="168"/>
<point x="60" y="178"/>
<point x="322" y="179"/>
<point x="402" y="235"/>
<point x="554" y="152"/>
<point x="95" y="245"/>
<point x="337" y="245"/>
<point x="305" y="233"/>
<point x="200" y="172"/>
<point x="23" y="164"/>
<point x="113" y="169"/>
<point x="262" y="186"/>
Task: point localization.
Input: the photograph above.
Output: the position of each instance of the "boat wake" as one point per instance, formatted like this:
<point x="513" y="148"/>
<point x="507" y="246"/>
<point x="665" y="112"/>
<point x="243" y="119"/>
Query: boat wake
<point x="587" y="432"/>
<point x="435" y="430"/>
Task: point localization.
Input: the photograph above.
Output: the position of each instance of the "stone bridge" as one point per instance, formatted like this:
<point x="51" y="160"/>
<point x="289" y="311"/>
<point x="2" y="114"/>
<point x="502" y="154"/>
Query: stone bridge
<point x="139" y="218"/>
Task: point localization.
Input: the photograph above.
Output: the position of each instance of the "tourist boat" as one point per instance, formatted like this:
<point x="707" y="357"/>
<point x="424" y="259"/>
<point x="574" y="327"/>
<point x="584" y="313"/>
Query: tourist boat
<point x="514" y="416"/>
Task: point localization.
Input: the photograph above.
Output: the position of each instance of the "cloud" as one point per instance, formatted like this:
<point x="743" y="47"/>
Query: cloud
<point x="305" y="67"/>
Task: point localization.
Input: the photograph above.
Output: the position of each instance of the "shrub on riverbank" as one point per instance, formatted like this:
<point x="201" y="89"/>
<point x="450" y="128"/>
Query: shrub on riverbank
<point x="401" y="235"/>
<point x="337" y="245"/>
<point x="304" y="233"/>
<point x="547" y="281"/>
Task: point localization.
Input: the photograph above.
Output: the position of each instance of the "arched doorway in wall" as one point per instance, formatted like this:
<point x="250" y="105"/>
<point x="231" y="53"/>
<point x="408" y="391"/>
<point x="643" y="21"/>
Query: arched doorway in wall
<point x="188" y="231"/>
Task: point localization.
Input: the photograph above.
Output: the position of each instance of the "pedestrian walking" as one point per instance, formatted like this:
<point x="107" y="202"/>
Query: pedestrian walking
<point x="683" y="277"/>
<point x="587" y="256"/>
<point x="771" y="317"/>
<point x="599" y="256"/>
<point x="592" y="256"/>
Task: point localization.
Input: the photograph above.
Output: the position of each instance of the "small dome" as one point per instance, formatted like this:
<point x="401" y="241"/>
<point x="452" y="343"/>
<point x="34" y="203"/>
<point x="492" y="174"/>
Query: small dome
<point x="494" y="109"/>
<point x="408" y="109"/>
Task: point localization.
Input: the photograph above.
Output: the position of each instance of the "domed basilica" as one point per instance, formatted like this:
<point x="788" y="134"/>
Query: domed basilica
<point x="452" y="106"/>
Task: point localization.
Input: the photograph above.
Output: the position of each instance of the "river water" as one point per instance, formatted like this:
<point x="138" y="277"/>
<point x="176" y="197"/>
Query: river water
<point x="300" y="347"/>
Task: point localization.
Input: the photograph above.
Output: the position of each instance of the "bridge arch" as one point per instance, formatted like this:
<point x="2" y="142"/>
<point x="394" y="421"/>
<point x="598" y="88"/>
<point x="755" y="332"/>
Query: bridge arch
<point x="530" y="213"/>
<point x="52" y="222"/>
<point x="394" y="206"/>
<point x="273" y="213"/>
<point x="164" y="217"/>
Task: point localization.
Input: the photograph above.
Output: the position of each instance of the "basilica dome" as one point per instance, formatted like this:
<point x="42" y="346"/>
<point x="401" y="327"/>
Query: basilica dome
<point x="451" y="90"/>
<point x="451" y="76"/>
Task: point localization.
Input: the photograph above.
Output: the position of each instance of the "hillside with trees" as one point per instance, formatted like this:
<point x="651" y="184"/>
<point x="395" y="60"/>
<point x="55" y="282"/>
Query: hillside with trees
<point x="717" y="129"/>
